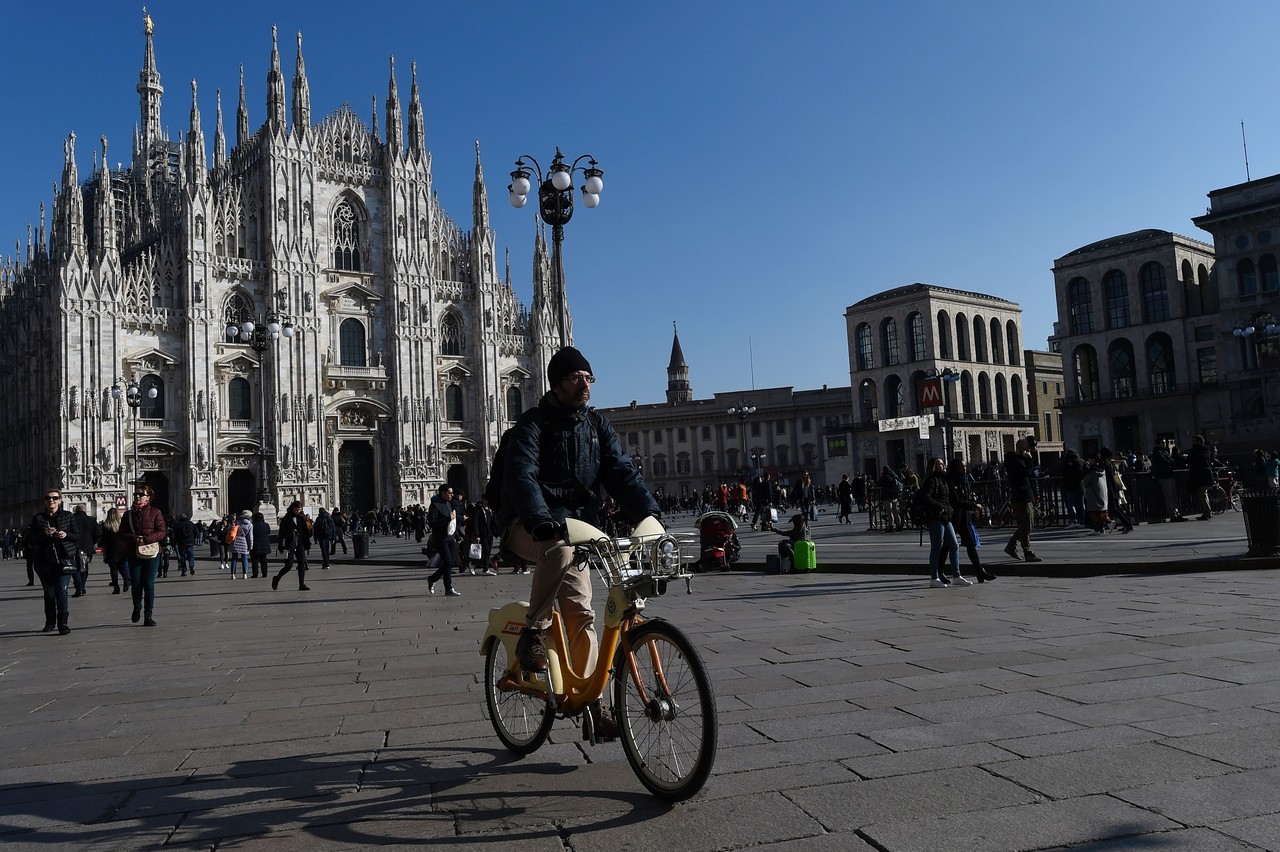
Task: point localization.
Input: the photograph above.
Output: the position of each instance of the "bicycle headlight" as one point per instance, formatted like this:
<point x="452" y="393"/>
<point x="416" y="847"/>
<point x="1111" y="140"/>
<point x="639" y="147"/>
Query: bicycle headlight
<point x="666" y="555"/>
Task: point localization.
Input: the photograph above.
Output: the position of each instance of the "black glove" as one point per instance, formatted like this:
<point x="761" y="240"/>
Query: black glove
<point x="545" y="531"/>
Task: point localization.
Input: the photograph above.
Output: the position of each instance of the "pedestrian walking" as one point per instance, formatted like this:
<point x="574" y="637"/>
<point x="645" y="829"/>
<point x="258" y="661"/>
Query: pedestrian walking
<point x="261" y="546"/>
<point x="1200" y="476"/>
<point x="325" y="533"/>
<point x="144" y="529"/>
<point x="844" y="493"/>
<point x="184" y="541"/>
<point x="934" y="494"/>
<point x="1117" y="491"/>
<point x="1163" y="469"/>
<point x="51" y="539"/>
<point x="86" y="541"/>
<point x="295" y="538"/>
<point x="1019" y="467"/>
<point x="242" y="544"/>
<point x="442" y="520"/>
<point x="964" y="509"/>
<point x="115" y="550"/>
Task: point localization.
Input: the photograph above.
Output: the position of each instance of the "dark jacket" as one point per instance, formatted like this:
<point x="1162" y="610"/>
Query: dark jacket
<point x="184" y="533"/>
<point x="1199" y="467"/>
<point x="557" y="461"/>
<point x="324" y="528"/>
<point x="890" y="486"/>
<point x="1020" y="472"/>
<point x="50" y="552"/>
<point x="261" y="537"/>
<point x="937" y="498"/>
<point x="439" y="513"/>
<point x="1072" y="469"/>
<point x="294" y="532"/>
<point x="86" y="531"/>
<point x="115" y="550"/>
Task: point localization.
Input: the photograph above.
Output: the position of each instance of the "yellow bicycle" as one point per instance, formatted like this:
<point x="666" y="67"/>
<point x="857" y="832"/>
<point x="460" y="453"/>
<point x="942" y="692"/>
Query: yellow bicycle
<point x="662" y="697"/>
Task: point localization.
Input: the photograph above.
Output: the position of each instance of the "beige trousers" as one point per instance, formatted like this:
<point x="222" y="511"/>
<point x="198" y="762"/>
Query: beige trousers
<point x="556" y="579"/>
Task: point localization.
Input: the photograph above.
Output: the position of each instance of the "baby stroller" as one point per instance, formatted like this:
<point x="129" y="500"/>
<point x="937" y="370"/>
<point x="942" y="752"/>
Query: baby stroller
<point x="718" y="541"/>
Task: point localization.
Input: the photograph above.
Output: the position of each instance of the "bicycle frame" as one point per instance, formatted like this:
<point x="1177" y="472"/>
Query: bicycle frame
<point x="571" y="690"/>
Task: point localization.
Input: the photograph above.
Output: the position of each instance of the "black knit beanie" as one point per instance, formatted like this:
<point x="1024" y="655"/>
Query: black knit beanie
<point x="567" y="360"/>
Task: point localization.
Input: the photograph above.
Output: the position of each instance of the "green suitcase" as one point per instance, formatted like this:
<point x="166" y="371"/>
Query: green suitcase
<point x="806" y="556"/>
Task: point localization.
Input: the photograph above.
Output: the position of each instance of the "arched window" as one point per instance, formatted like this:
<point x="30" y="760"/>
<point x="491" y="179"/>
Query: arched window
<point x="1080" y="306"/>
<point x="450" y="335"/>
<point x="1019" y="396"/>
<point x="351" y="343"/>
<point x="916" y="350"/>
<point x="944" y="335"/>
<point x="1188" y="276"/>
<point x="866" y="355"/>
<point x="1155" y="292"/>
<point x="1011" y="337"/>
<point x="894" y="397"/>
<point x="962" y="337"/>
<point x="966" y="392"/>
<point x="237" y="310"/>
<point x="997" y="342"/>
<point x="1160" y="372"/>
<point x="1246" y="277"/>
<point x="913" y="402"/>
<point x="346" y="238"/>
<point x="152" y="409"/>
<point x="1002" y="395"/>
<point x="453" y="404"/>
<point x="1120" y="363"/>
<point x="1268" y="273"/>
<point x="867" y="401"/>
<point x="239" y="400"/>
<point x="1115" y="292"/>
<point x="984" y="393"/>
<point x="979" y="340"/>
<point x="1086" y="373"/>
<point x="515" y="403"/>
<point x="889" y="342"/>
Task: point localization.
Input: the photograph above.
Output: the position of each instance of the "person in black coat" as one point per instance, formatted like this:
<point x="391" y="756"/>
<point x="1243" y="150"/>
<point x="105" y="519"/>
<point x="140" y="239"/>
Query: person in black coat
<point x="1019" y="469"/>
<point x="295" y="537"/>
<point x="964" y="503"/>
<point x="52" y="537"/>
<point x="1200" y="475"/>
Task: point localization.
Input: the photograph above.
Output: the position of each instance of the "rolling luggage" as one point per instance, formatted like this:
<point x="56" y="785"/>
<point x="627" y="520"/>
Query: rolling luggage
<point x="806" y="556"/>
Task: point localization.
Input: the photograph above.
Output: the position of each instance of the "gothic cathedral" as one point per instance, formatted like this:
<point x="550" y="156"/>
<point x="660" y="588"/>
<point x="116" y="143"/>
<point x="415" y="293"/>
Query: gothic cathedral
<point x="300" y="321"/>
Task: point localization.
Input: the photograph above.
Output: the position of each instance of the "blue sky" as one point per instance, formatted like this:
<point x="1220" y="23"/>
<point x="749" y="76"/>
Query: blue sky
<point x="766" y="166"/>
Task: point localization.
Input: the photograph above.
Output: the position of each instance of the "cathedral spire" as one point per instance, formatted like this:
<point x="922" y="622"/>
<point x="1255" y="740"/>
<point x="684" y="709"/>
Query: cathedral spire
<point x="195" y="144"/>
<point x="68" y="215"/>
<point x="301" y="95"/>
<point x="104" y="220"/>
<point x="374" y="120"/>
<point x="508" y="266"/>
<point x="395" y="138"/>
<point x="678" y="387"/>
<point x="219" y="137"/>
<point x="479" y="199"/>
<point x="149" y="89"/>
<point x="417" y="132"/>
<point x="275" y="87"/>
<point x="242" y="115"/>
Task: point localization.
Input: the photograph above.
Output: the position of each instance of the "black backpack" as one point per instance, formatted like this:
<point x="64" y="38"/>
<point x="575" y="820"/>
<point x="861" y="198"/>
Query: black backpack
<point x="918" y="509"/>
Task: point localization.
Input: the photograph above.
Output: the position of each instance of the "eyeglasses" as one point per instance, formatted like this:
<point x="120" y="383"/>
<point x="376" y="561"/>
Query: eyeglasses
<point x="581" y="379"/>
<point x="141" y="496"/>
<point x="52" y="497"/>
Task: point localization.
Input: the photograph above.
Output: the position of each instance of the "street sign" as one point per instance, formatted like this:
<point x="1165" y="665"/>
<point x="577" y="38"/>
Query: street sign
<point x="930" y="392"/>
<point x="122" y="501"/>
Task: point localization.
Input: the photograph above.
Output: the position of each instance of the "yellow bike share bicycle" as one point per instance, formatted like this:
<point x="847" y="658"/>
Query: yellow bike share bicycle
<point x="662" y="697"/>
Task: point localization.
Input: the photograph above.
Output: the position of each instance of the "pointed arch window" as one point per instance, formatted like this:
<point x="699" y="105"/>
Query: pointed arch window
<point x="453" y="410"/>
<point x="1002" y="398"/>
<point x="895" y="397"/>
<point x="351" y="343"/>
<point x="1011" y="337"/>
<point x="1080" y="306"/>
<point x="997" y="342"/>
<point x="239" y="400"/>
<point x="984" y="393"/>
<point x="346" y="238"/>
<point x="515" y="403"/>
<point x="1018" y="396"/>
<point x="450" y="335"/>
<point x="152" y="409"/>
<point x="962" y="337"/>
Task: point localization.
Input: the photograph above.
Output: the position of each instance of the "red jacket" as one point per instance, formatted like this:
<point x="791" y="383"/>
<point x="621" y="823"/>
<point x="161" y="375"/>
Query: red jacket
<point x="146" y="523"/>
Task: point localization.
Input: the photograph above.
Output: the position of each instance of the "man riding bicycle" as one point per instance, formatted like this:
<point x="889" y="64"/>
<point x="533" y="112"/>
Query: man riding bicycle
<point x="559" y="456"/>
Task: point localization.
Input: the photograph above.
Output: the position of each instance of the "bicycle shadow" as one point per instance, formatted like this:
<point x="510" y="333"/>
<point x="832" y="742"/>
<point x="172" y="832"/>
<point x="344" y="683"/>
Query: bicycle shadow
<point x="466" y="794"/>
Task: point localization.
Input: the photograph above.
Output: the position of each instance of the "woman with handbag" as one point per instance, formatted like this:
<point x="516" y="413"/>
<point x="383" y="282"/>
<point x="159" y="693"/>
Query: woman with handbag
<point x="51" y="540"/>
<point x="143" y="529"/>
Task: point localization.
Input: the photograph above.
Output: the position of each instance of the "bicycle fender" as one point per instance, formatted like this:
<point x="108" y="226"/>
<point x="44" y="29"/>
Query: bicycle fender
<point x="505" y="624"/>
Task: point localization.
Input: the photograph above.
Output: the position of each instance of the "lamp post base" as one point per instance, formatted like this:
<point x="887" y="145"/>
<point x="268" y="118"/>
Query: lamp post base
<point x="266" y="505"/>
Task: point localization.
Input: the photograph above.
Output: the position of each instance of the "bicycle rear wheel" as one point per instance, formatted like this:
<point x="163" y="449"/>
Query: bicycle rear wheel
<point x="1218" y="500"/>
<point x="667" y="712"/>
<point x="521" y="721"/>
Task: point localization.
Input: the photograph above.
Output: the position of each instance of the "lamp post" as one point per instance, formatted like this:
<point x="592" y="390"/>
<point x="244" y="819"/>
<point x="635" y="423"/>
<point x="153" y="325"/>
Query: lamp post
<point x="742" y="411"/>
<point x="949" y="377"/>
<point x="758" y="458"/>
<point x="1246" y="332"/>
<point x="555" y="206"/>
<point x="260" y="335"/>
<point x="132" y="394"/>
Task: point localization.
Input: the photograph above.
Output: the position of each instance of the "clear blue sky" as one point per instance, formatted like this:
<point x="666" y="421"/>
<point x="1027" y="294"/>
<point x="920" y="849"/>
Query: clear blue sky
<point x="766" y="165"/>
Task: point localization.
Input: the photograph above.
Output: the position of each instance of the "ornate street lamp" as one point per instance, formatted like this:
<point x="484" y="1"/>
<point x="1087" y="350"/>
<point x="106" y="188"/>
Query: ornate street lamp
<point x="949" y="377"/>
<point x="758" y="459"/>
<point x="742" y="411"/>
<point x="132" y="394"/>
<point x="1246" y="331"/>
<point x="555" y="205"/>
<point x="260" y="336"/>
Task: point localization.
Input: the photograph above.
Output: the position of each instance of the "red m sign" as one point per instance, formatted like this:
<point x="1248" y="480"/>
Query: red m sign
<point x="930" y="392"/>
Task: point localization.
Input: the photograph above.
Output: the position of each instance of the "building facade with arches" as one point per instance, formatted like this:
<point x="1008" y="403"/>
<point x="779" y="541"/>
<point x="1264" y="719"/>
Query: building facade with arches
<point x="900" y="337"/>
<point x="409" y="354"/>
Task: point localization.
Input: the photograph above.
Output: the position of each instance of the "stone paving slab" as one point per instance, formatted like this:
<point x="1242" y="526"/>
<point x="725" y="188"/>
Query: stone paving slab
<point x="857" y="712"/>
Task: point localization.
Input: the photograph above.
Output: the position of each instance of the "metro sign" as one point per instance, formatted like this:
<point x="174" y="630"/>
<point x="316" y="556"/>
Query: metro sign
<point x="929" y="392"/>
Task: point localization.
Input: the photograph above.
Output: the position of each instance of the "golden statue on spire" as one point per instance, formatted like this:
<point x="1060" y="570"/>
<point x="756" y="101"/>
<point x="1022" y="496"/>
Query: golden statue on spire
<point x="146" y="21"/>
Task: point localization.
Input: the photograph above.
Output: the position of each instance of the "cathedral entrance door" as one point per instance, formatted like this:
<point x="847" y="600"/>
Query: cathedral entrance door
<point x="460" y="482"/>
<point x="355" y="478"/>
<point x="242" y="491"/>
<point x="160" y="484"/>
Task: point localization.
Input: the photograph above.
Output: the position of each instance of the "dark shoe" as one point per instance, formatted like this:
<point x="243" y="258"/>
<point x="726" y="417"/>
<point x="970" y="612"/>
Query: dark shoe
<point x="150" y="622"/>
<point x="531" y="651"/>
<point x="1204" y="517"/>
<point x="63" y="629"/>
<point x="1179" y="518"/>
<point x="78" y="594"/>
<point x="1028" y="556"/>
<point x="1012" y="550"/>
<point x="115" y="590"/>
<point x="126" y="587"/>
<point x="454" y="592"/>
<point x="1128" y="529"/>
<point x="49" y="627"/>
<point x="275" y="582"/>
<point x="303" y="588"/>
<point x="137" y="614"/>
<point x="602" y="721"/>
<point x="984" y="575"/>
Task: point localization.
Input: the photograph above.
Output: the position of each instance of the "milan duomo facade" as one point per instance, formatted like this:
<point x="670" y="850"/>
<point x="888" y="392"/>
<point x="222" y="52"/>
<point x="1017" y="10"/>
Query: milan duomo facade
<point x="410" y="353"/>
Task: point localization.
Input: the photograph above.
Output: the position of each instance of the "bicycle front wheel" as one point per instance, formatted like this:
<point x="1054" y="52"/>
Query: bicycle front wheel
<point x="1218" y="499"/>
<point x="521" y="721"/>
<point x="666" y="710"/>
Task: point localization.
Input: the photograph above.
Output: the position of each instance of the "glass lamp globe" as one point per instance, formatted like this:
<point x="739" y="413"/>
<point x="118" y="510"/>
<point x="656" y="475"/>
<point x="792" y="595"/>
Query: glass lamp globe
<point x="520" y="186"/>
<point x="594" y="185"/>
<point x="561" y="180"/>
<point x="590" y="199"/>
<point x="287" y="331"/>
<point x="518" y="201"/>
<point x="247" y="327"/>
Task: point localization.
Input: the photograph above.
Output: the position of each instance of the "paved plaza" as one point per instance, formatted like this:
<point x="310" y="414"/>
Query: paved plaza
<point x="1131" y="710"/>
